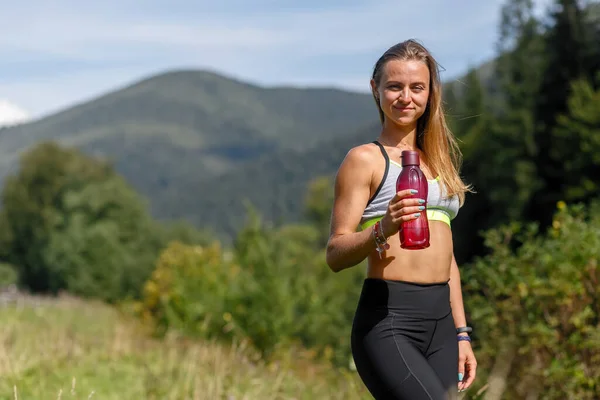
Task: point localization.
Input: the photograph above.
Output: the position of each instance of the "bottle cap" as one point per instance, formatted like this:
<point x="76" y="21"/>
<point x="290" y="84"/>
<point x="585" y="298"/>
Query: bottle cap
<point x="410" y="157"/>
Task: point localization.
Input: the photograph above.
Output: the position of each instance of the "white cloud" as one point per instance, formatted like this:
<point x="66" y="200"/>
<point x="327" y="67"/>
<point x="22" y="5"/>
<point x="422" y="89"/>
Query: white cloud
<point x="11" y="114"/>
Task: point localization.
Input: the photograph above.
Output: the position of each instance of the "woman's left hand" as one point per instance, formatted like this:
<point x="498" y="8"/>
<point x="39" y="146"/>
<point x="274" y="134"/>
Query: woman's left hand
<point x="467" y="365"/>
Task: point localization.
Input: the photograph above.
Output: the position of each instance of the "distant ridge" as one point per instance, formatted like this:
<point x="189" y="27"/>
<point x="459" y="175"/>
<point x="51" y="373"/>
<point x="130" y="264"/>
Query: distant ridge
<point x="169" y="132"/>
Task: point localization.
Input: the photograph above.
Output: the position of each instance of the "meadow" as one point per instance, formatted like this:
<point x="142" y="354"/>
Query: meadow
<point x="68" y="348"/>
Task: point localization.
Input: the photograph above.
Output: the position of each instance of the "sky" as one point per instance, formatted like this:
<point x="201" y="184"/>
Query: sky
<point x="62" y="53"/>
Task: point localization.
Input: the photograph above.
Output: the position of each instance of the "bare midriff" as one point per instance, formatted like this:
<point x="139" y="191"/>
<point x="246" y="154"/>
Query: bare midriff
<point x="430" y="265"/>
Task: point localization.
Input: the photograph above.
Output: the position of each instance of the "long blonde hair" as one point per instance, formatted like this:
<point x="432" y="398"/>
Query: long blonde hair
<point x="434" y="137"/>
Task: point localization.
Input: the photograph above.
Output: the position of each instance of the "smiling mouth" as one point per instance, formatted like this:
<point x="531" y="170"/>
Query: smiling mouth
<point x="403" y="108"/>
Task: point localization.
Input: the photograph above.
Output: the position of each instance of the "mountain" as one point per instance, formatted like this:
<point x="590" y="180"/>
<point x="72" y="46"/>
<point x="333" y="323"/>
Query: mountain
<point x="167" y="132"/>
<point x="11" y="114"/>
<point x="275" y="185"/>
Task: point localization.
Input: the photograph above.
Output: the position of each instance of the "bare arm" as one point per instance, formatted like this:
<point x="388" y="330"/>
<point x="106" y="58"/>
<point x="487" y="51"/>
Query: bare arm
<point x="347" y="247"/>
<point x="456" y="298"/>
<point x="467" y="363"/>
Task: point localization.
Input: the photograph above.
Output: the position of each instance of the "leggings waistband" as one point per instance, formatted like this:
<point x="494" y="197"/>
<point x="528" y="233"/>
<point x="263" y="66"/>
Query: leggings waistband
<point x="413" y="300"/>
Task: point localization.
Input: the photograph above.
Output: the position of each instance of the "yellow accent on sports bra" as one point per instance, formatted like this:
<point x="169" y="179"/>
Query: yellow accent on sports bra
<point x="432" y="215"/>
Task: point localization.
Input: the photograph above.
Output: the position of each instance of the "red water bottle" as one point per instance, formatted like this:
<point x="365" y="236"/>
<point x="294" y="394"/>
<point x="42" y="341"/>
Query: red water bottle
<point x="414" y="234"/>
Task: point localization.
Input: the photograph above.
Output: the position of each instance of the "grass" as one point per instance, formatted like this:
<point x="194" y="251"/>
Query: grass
<point x="66" y="348"/>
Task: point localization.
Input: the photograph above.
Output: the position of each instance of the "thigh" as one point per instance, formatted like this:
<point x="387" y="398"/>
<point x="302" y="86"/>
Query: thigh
<point x="391" y="364"/>
<point x="375" y="355"/>
<point x="443" y="355"/>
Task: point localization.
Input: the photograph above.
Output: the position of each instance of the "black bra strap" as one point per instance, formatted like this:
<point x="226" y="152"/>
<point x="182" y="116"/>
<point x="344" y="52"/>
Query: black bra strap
<point x="385" y="173"/>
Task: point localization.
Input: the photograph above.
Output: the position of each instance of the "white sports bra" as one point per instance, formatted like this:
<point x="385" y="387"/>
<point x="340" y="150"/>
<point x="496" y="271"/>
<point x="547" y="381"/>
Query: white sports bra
<point x="439" y="206"/>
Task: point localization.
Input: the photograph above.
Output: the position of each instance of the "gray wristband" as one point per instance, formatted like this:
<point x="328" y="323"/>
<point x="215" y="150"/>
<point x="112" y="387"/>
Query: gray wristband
<point x="464" y="329"/>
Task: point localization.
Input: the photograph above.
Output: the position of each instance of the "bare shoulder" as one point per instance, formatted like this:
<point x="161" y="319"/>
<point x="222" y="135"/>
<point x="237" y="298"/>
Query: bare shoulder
<point x="359" y="159"/>
<point x="352" y="188"/>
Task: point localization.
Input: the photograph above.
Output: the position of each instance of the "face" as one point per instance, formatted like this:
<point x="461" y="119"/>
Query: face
<point x="403" y="91"/>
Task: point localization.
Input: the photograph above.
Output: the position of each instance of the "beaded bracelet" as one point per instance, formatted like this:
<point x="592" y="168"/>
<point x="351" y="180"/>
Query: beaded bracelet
<point x="380" y="239"/>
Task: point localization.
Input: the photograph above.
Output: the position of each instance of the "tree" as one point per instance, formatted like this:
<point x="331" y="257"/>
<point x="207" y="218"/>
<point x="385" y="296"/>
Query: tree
<point x="497" y="131"/>
<point x="521" y="58"/>
<point x="471" y="122"/>
<point x="577" y="149"/>
<point x="570" y="53"/>
<point x="318" y="204"/>
<point x="69" y="222"/>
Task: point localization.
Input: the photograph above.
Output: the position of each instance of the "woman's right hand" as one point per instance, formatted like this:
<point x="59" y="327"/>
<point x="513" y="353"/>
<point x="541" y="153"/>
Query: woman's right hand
<point x="400" y="209"/>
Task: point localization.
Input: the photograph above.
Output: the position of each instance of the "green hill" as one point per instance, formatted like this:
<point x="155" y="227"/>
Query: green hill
<point x="174" y="128"/>
<point x="275" y="184"/>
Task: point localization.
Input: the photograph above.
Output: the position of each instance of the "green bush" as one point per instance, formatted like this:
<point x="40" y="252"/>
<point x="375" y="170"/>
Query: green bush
<point x="545" y="300"/>
<point x="274" y="291"/>
<point x="292" y="296"/>
<point x="8" y="275"/>
<point x="190" y="291"/>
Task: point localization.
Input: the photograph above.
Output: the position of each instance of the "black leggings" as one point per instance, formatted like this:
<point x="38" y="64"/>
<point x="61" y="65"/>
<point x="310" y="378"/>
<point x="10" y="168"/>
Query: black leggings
<point x="404" y="340"/>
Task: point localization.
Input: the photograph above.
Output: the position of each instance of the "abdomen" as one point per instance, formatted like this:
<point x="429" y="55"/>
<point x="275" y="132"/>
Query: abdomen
<point x="428" y="265"/>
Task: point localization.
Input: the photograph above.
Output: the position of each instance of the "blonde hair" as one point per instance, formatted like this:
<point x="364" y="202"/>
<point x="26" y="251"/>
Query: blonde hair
<point x="434" y="137"/>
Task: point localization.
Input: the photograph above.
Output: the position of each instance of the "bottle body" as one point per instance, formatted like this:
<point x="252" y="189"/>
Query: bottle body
<point x="414" y="234"/>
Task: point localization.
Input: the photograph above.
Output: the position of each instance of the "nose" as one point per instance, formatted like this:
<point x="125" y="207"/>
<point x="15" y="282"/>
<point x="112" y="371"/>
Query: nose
<point x="404" y="95"/>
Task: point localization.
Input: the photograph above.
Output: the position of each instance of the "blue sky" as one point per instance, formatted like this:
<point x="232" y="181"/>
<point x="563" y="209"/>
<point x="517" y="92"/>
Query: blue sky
<point x="57" y="54"/>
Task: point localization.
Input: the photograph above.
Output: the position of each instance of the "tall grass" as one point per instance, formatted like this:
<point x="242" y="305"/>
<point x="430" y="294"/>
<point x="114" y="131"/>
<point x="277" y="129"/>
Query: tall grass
<point x="66" y="348"/>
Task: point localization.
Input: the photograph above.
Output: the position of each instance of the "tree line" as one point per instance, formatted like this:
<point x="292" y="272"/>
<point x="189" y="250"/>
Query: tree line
<point x="533" y="140"/>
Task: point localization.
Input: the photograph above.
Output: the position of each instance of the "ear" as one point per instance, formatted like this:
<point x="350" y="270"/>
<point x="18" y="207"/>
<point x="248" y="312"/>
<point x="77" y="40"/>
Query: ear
<point x="375" y="91"/>
<point x="374" y="88"/>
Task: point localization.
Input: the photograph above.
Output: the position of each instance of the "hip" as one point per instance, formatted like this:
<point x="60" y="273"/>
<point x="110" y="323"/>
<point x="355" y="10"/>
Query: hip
<point x="405" y="300"/>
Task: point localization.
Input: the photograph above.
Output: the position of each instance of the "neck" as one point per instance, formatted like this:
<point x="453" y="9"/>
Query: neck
<point x="399" y="136"/>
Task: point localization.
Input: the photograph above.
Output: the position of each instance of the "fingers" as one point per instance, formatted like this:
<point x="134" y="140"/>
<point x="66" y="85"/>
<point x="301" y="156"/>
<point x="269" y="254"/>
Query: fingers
<point x="470" y="374"/>
<point x="402" y="194"/>
<point x="401" y="198"/>
<point x="470" y="368"/>
<point x="398" y="217"/>
<point x="461" y="372"/>
<point x="403" y="209"/>
<point x="408" y="209"/>
<point x="405" y="214"/>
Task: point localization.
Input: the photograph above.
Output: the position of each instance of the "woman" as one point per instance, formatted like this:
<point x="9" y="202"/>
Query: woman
<point x="409" y="337"/>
